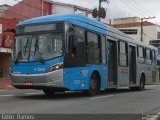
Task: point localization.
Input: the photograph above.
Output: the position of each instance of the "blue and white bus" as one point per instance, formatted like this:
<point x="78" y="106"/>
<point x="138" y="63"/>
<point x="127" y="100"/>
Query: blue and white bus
<point x="73" y="52"/>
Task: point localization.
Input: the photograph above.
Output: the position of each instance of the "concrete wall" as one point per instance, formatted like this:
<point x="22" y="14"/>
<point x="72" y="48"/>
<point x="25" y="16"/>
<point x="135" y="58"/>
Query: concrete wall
<point x="67" y="9"/>
<point x="149" y="33"/>
<point x="61" y="9"/>
<point x="126" y="20"/>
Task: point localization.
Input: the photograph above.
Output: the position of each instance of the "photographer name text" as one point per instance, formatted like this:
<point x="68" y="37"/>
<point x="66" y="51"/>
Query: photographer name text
<point x="17" y="117"/>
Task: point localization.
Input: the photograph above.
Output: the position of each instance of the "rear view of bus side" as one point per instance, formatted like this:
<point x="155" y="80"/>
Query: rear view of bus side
<point x="72" y="52"/>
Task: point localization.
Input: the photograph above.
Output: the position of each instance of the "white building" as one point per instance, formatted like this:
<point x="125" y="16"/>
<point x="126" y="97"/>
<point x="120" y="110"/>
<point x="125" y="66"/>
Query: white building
<point x="63" y="8"/>
<point x="132" y="27"/>
<point x="3" y="8"/>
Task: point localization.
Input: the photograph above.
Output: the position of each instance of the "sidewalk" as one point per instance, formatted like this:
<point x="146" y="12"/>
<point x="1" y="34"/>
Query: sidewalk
<point x="5" y="84"/>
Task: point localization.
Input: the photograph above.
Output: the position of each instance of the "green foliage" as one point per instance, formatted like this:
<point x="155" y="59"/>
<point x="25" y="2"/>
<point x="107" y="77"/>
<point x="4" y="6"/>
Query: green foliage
<point x="100" y="13"/>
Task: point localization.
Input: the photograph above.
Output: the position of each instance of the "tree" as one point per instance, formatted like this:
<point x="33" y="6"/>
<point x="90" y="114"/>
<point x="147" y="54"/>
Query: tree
<point x="100" y="12"/>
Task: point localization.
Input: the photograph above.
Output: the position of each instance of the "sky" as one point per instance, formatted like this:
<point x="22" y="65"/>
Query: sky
<point x="117" y="8"/>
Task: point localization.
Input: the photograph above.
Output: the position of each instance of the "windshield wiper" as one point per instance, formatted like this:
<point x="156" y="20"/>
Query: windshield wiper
<point x="36" y="45"/>
<point x="18" y="57"/>
<point x="25" y="47"/>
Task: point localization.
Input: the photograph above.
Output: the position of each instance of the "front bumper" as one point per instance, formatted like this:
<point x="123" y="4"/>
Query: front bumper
<point x="39" y="81"/>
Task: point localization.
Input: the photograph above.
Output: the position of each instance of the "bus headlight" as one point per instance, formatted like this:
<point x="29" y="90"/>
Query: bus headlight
<point x="55" y="67"/>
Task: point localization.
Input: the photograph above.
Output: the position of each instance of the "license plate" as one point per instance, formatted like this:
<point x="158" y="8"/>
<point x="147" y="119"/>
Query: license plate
<point x="28" y="83"/>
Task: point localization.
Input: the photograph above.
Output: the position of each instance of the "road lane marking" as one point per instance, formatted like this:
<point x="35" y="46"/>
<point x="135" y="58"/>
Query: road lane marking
<point x="6" y="95"/>
<point x="106" y="96"/>
<point x="36" y="93"/>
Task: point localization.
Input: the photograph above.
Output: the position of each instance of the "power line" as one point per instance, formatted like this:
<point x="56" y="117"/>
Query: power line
<point x="15" y="13"/>
<point x="130" y="6"/>
<point x="143" y="8"/>
<point x="148" y="36"/>
<point x="136" y="6"/>
<point x="30" y="5"/>
<point x="8" y="13"/>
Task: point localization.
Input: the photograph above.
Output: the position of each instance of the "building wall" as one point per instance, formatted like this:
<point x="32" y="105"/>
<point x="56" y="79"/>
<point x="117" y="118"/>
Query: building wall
<point x="67" y="9"/>
<point x="25" y="10"/>
<point x="3" y="8"/>
<point x="6" y="36"/>
<point x="149" y="33"/>
<point x="61" y="9"/>
<point x="47" y="8"/>
<point x="4" y="64"/>
<point x="126" y="20"/>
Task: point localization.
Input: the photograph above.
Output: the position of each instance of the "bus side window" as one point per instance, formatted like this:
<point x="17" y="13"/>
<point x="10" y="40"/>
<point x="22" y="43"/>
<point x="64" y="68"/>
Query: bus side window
<point x="103" y="49"/>
<point x="153" y="55"/>
<point x="93" y="50"/>
<point x="123" y="55"/>
<point x="77" y="47"/>
<point x="148" y="56"/>
<point x="140" y="54"/>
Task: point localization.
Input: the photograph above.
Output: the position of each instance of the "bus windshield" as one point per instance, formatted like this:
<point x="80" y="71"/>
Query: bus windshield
<point x="37" y="47"/>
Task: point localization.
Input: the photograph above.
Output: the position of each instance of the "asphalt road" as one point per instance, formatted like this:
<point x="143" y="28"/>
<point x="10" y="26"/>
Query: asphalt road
<point x="122" y="101"/>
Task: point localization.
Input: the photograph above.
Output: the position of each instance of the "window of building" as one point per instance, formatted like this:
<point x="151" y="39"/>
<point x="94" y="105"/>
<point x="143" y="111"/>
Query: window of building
<point x="45" y="12"/>
<point x="129" y="31"/>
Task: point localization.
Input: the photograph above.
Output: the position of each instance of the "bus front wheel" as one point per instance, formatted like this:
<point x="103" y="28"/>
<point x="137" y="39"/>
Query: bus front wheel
<point x="49" y="92"/>
<point x="94" y="88"/>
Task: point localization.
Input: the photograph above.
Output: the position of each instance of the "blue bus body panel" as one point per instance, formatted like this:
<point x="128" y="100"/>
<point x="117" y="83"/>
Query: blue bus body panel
<point x="79" y="78"/>
<point x="34" y="67"/>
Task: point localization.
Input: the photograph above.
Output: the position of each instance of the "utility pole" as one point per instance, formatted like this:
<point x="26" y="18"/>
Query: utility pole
<point x="142" y="26"/>
<point x="99" y="18"/>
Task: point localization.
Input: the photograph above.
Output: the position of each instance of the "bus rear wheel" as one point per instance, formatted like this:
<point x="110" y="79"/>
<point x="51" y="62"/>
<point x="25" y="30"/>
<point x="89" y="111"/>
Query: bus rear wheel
<point x="94" y="88"/>
<point x="142" y="82"/>
<point x="49" y="92"/>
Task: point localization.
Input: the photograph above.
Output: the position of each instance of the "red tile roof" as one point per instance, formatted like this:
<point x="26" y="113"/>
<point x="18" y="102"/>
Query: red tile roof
<point x="135" y="24"/>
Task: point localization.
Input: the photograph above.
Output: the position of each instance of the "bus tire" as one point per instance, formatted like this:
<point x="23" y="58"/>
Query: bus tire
<point x="94" y="85"/>
<point x="49" y="92"/>
<point x="142" y="83"/>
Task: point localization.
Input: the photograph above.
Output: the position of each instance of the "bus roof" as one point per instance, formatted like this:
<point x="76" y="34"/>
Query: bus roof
<point x="82" y="21"/>
<point x="76" y="19"/>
